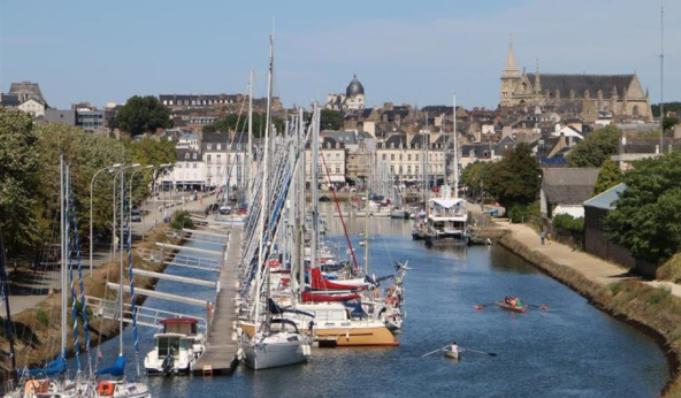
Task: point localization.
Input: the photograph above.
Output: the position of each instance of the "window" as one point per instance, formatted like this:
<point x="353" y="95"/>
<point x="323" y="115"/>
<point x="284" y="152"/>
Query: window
<point x="195" y="165"/>
<point x="416" y="157"/>
<point x="400" y="156"/>
<point x="208" y="158"/>
<point x="384" y="156"/>
<point x="392" y="168"/>
<point x="392" y="156"/>
<point x="209" y="147"/>
<point x="218" y="147"/>
<point x="408" y="169"/>
<point x="416" y="169"/>
<point x="186" y="156"/>
<point x="409" y="157"/>
<point x="338" y="170"/>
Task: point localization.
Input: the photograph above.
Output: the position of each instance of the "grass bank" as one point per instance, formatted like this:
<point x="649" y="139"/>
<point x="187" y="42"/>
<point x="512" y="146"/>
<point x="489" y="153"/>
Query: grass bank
<point x="38" y="329"/>
<point x="653" y="310"/>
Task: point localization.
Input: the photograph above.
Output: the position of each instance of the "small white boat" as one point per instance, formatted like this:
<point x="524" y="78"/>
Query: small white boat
<point x="177" y="348"/>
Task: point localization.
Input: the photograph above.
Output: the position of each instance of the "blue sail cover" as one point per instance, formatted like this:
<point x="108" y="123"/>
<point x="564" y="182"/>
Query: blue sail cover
<point x="52" y="368"/>
<point x="118" y="369"/>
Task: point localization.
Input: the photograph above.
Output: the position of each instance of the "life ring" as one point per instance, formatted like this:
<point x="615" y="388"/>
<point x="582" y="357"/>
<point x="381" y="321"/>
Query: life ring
<point x="105" y="388"/>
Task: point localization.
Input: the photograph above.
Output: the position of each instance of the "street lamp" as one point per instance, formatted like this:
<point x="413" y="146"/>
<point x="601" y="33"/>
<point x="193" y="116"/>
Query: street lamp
<point x="92" y="186"/>
<point x="113" y="230"/>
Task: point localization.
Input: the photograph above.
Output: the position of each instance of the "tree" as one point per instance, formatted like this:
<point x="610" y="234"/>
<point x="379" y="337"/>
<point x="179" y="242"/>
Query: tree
<point x="609" y="176"/>
<point x="595" y="148"/>
<point x="331" y="120"/>
<point x="239" y="123"/>
<point x="142" y="114"/>
<point x="149" y="151"/>
<point x="473" y="177"/>
<point x="514" y="180"/>
<point x="19" y="181"/>
<point x="669" y="122"/>
<point x="646" y="219"/>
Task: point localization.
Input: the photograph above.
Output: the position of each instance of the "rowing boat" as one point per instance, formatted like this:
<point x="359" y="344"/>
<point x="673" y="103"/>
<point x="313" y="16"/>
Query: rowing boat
<point x="451" y="354"/>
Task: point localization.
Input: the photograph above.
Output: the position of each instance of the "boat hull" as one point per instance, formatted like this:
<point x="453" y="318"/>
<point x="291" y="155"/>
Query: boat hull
<point x="511" y="307"/>
<point x="344" y="337"/>
<point x="265" y="356"/>
<point x="452" y="354"/>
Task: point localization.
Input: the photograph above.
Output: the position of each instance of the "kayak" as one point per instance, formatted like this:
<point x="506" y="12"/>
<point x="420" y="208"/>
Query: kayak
<point x="508" y="307"/>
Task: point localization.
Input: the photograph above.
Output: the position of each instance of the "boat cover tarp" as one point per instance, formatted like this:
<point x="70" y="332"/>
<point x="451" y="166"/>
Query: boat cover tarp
<point x="447" y="203"/>
<point x="309" y="296"/>
<point x="275" y="309"/>
<point x="52" y="368"/>
<point x="319" y="282"/>
<point x="118" y="369"/>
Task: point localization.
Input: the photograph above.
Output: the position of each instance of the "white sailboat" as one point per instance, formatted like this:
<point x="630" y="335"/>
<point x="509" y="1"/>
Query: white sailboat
<point x="268" y="347"/>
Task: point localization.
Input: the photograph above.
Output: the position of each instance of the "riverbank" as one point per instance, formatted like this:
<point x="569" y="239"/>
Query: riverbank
<point x="655" y="310"/>
<point x="37" y="329"/>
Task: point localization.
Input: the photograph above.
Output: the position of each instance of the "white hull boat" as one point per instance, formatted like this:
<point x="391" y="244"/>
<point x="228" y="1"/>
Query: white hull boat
<point x="276" y="350"/>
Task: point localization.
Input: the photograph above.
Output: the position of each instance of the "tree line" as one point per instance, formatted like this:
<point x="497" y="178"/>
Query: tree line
<point x="29" y="177"/>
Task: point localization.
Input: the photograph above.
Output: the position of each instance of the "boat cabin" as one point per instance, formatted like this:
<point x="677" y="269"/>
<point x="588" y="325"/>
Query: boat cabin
<point x="183" y="326"/>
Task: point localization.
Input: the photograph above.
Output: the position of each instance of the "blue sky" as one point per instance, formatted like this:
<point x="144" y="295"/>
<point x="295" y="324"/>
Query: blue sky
<point x="402" y="51"/>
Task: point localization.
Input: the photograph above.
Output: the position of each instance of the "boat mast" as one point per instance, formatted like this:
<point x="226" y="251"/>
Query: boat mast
<point x="263" y="190"/>
<point x="249" y="150"/>
<point x="9" y="331"/>
<point x="64" y="265"/>
<point x="120" y="274"/>
<point x="455" y="167"/>
<point x="302" y="141"/>
<point x="366" y="231"/>
<point x="315" y="194"/>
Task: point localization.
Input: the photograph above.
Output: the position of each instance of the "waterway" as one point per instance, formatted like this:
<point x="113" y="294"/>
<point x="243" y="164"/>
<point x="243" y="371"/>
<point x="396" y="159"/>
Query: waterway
<point x="571" y="350"/>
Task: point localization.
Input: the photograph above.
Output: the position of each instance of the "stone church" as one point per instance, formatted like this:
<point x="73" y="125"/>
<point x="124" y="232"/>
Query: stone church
<point x="581" y="95"/>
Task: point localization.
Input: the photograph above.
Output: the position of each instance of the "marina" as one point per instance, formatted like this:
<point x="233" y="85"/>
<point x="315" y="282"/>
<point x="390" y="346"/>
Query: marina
<point x="535" y="351"/>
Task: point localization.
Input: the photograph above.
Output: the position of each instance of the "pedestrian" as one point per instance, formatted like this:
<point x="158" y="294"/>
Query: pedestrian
<point x="542" y="237"/>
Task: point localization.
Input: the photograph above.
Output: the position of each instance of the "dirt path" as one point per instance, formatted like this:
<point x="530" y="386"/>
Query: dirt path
<point x="591" y="267"/>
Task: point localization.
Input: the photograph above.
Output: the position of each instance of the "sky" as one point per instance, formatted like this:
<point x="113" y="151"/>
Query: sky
<point x="403" y="51"/>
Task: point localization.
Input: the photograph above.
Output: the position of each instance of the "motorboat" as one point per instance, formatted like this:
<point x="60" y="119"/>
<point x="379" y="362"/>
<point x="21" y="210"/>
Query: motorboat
<point x="176" y="349"/>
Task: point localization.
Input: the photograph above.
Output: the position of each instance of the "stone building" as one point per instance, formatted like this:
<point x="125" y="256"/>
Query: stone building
<point x="581" y="95"/>
<point x="331" y="162"/>
<point x="352" y="100"/>
<point x="25" y="96"/>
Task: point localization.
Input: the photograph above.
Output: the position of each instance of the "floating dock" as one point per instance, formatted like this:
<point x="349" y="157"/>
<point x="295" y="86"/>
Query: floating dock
<point x="220" y="356"/>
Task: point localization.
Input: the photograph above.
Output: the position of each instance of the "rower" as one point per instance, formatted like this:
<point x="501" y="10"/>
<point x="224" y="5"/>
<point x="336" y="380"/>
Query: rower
<point x="454" y="348"/>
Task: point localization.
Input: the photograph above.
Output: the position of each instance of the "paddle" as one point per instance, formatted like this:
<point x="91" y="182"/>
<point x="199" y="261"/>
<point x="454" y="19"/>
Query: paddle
<point x="480" y="307"/>
<point x="433" y="352"/>
<point x="542" y="307"/>
<point x="492" y="354"/>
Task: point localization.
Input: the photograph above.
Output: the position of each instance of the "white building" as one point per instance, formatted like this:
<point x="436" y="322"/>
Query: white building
<point x="406" y="158"/>
<point x="331" y="162"/>
<point x="222" y="157"/>
<point x="188" y="173"/>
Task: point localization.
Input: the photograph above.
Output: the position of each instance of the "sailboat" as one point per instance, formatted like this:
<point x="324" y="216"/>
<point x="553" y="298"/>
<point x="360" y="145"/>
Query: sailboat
<point x="117" y="386"/>
<point x="269" y="347"/>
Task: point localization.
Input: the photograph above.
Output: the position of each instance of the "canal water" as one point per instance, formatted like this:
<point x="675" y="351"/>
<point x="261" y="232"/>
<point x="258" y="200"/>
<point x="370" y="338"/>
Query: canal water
<point x="570" y="350"/>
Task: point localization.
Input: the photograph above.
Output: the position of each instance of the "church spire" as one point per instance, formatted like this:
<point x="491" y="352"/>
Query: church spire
<point x="511" y="69"/>
<point x="537" y="80"/>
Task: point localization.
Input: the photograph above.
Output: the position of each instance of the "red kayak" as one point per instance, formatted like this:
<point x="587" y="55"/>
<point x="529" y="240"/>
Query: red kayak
<point x="509" y="307"/>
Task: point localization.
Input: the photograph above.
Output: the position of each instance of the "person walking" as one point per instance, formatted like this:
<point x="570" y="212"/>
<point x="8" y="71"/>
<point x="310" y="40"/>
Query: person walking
<point x="542" y="237"/>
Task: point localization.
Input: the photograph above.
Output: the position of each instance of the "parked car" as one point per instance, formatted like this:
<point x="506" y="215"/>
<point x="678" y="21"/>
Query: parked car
<point x="135" y="215"/>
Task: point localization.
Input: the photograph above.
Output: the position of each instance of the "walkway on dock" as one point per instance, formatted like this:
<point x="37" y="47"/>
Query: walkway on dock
<point x="220" y="356"/>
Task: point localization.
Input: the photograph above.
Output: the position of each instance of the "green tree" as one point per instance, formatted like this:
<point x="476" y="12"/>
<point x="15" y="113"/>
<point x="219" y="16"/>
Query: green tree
<point x="669" y="122"/>
<point x="473" y="177"/>
<point x="85" y="153"/>
<point x="331" y="120"/>
<point x="19" y="181"/>
<point x="595" y="148"/>
<point x="609" y="176"/>
<point x="514" y="180"/>
<point x="647" y="220"/>
<point x="149" y="151"/>
<point x="142" y="114"/>
<point x="233" y="123"/>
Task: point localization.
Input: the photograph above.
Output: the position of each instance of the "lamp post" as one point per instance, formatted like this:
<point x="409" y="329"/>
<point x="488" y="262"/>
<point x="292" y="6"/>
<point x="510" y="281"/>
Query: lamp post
<point x="92" y="186"/>
<point x="113" y="229"/>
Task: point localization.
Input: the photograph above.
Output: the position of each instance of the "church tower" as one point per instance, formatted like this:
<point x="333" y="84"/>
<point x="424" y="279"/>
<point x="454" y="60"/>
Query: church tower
<point x="510" y="79"/>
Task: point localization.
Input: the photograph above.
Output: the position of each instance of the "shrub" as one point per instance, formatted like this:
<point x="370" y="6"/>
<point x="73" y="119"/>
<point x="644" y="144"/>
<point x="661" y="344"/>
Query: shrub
<point x="42" y="317"/>
<point x="523" y="214"/>
<point x="568" y="223"/>
<point x="181" y="219"/>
